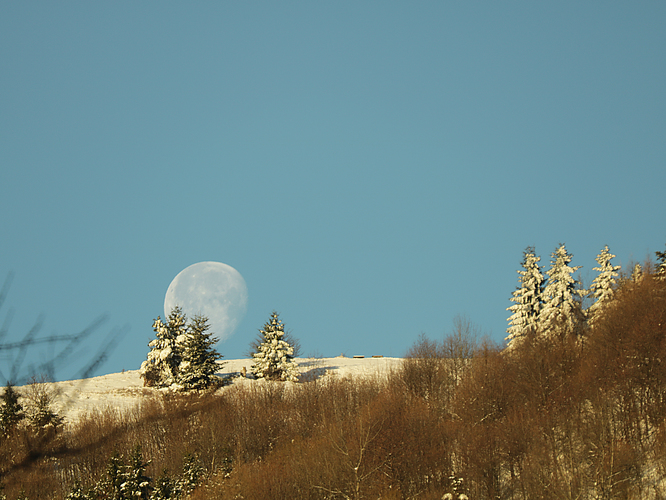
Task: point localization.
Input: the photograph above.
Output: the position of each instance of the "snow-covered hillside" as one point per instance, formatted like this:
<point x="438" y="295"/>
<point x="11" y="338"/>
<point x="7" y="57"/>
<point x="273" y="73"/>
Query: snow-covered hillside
<point x="122" y="391"/>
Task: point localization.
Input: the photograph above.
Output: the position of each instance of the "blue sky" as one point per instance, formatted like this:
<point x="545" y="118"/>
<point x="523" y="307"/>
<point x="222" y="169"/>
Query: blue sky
<point x="372" y="169"/>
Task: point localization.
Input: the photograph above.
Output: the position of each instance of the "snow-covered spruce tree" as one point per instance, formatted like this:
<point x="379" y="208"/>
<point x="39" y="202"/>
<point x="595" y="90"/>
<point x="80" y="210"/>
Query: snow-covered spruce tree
<point x="11" y="411"/>
<point x="78" y="493"/>
<point x="165" y="487"/>
<point x="124" y="481"/>
<point x="637" y="274"/>
<point x="39" y="410"/>
<point x="527" y="298"/>
<point x="192" y="473"/>
<point x="115" y="472"/>
<point x="198" y="357"/>
<point x="274" y="359"/>
<point x="603" y="286"/>
<point x="161" y="366"/>
<point x="561" y="306"/>
<point x="136" y="484"/>
<point x="661" y="264"/>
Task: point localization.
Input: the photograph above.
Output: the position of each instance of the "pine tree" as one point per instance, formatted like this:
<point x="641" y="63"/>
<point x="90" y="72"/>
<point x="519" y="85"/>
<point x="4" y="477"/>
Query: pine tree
<point x="115" y="471"/>
<point x="161" y="366"/>
<point x="125" y="481"/>
<point x="39" y="405"/>
<point x="165" y="487"/>
<point x="136" y="484"/>
<point x="198" y="357"/>
<point x="192" y="473"/>
<point x="661" y="268"/>
<point x="637" y="274"/>
<point x="78" y="493"/>
<point x="602" y="288"/>
<point x="11" y="411"/>
<point x="527" y="298"/>
<point x="274" y="359"/>
<point x="560" y="308"/>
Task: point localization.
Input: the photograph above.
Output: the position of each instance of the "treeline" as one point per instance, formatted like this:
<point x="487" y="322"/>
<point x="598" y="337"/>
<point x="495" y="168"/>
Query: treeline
<point x="182" y="356"/>
<point x="555" y="302"/>
<point x="565" y="413"/>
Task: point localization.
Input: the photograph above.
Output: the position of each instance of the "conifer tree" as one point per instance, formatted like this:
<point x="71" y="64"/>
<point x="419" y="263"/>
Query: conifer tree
<point x="274" y="359"/>
<point x="161" y="366"/>
<point x="136" y="484"/>
<point x="78" y="493"/>
<point x="661" y="264"/>
<point x="11" y="411"/>
<point x="115" y="471"/>
<point x="602" y="288"/>
<point x="527" y="298"/>
<point x="125" y="481"/>
<point x="561" y="307"/>
<point x="39" y="410"/>
<point x="192" y="473"/>
<point x="165" y="487"/>
<point x="198" y="357"/>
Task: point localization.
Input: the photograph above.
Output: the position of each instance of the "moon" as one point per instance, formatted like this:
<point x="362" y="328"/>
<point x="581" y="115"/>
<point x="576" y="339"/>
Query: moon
<point x="212" y="289"/>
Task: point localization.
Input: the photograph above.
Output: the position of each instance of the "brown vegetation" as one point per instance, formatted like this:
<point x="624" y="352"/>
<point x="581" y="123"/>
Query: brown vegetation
<point x="559" y="416"/>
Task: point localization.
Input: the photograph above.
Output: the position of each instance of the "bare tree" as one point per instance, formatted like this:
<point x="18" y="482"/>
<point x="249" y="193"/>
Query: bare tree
<point x="461" y="344"/>
<point x="63" y="346"/>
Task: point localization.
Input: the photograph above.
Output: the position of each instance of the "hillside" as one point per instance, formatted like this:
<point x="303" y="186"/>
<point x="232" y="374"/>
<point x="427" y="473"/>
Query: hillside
<point x="565" y="412"/>
<point x="122" y="391"/>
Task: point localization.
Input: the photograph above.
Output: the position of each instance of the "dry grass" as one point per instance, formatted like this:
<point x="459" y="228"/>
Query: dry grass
<point x="570" y="417"/>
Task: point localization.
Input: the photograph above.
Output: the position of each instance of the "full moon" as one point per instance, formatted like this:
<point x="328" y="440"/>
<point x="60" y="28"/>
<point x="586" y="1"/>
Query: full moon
<point x="212" y="289"/>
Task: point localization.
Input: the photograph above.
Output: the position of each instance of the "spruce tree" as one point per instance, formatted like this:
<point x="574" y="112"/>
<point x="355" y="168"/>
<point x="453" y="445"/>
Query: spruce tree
<point x="602" y="288"/>
<point x="192" y="473"/>
<point x="527" y="298"/>
<point x="115" y="472"/>
<point x="39" y="410"/>
<point x="136" y="484"/>
<point x="637" y="274"/>
<point x="11" y="411"/>
<point x="161" y="366"/>
<point x="198" y="357"/>
<point x="78" y="493"/>
<point x="561" y="307"/>
<point x="274" y="359"/>
<point x="165" y="487"/>
<point x="661" y="264"/>
<point x="124" y="481"/>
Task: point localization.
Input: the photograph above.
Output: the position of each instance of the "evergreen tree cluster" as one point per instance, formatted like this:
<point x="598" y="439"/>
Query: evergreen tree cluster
<point x="36" y="412"/>
<point x="127" y="480"/>
<point x="181" y="355"/>
<point x="555" y="304"/>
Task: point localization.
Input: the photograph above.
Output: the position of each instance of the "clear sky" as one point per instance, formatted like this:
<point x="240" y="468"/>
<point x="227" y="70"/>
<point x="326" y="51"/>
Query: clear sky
<point x="372" y="169"/>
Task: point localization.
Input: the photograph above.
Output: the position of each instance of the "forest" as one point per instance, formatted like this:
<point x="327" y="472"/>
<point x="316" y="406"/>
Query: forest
<point x="573" y="408"/>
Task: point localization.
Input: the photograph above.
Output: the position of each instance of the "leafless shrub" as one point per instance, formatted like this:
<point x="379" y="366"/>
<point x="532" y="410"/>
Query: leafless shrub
<point x="555" y="418"/>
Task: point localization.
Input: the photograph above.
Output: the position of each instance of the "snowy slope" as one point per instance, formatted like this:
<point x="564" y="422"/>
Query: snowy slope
<point x="122" y="391"/>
